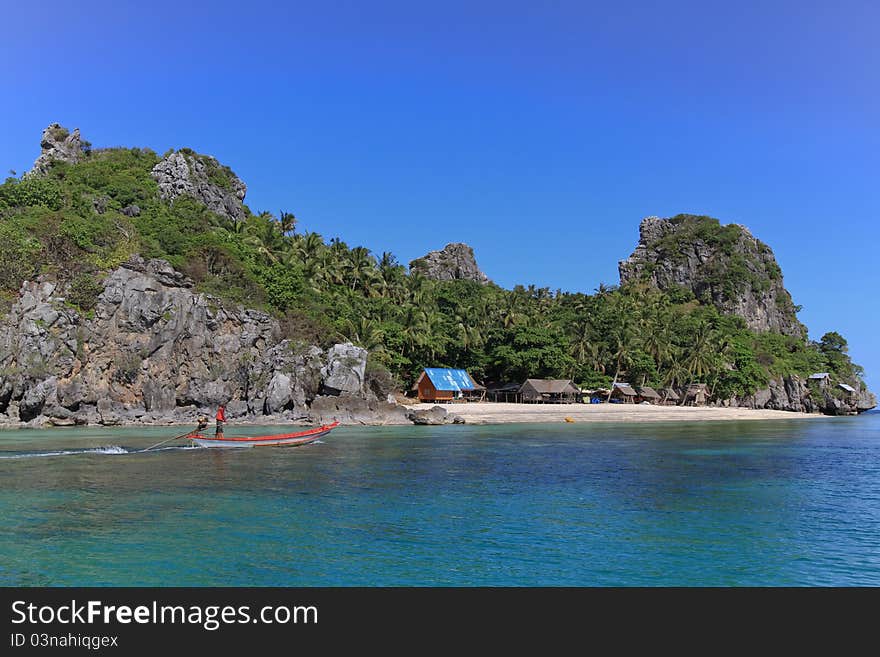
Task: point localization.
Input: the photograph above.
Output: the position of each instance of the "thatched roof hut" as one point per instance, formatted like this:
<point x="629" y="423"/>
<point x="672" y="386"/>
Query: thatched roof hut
<point x="696" y="394"/>
<point x="647" y="394"/>
<point x="624" y="393"/>
<point x="552" y="391"/>
<point x="668" y="396"/>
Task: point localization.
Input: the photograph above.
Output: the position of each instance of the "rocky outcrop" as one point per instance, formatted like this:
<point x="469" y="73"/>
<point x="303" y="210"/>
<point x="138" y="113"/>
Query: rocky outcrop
<point x="454" y="262"/>
<point x="434" y="416"/>
<point x="58" y="144"/>
<point x="792" y="393"/>
<point x="153" y="350"/>
<point x="355" y="410"/>
<point x="344" y="372"/>
<point x="202" y="177"/>
<point x="722" y="265"/>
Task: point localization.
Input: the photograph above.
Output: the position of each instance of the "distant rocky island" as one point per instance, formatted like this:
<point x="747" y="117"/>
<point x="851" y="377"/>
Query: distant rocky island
<point x="136" y="287"/>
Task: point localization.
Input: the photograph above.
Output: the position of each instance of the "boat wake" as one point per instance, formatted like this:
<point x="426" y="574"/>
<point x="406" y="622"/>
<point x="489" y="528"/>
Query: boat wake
<point x="112" y="450"/>
<point x="109" y="449"/>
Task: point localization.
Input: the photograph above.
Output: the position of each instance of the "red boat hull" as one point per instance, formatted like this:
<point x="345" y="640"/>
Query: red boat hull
<point x="294" y="439"/>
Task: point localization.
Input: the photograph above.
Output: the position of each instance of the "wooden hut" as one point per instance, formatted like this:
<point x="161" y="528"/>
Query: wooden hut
<point x="623" y="393"/>
<point x="503" y="392"/>
<point x="668" y="397"/>
<point x="549" y="391"/>
<point x="697" y="394"/>
<point x="851" y="393"/>
<point x="647" y="394"/>
<point x="439" y="384"/>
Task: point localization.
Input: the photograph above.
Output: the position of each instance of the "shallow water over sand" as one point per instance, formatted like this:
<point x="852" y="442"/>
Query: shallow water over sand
<point x="727" y="503"/>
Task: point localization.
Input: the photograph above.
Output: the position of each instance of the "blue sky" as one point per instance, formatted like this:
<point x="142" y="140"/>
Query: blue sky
<point x="539" y="133"/>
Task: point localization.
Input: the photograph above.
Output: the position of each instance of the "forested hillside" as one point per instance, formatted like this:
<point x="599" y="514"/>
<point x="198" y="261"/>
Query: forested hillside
<point x="77" y="220"/>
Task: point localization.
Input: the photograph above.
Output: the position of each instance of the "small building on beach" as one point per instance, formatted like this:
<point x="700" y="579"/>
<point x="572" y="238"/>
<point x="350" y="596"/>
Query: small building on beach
<point x="822" y="378"/>
<point x="549" y="391"/>
<point x="441" y="384"/>
<point x="647" y="394"/>
<point x="696" y="394"/>
<point x="668" y="397"/>
<point x="624" y="393"/>
<point x="503" y="392"/>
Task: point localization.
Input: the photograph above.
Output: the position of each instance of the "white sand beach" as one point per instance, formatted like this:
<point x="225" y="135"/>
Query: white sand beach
<point x="499" y="413"/>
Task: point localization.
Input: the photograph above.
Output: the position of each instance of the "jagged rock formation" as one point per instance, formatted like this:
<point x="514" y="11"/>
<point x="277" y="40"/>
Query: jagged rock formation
<point x="153" y="350"/>
<point x="58" y="144"/>
<point x="792" y="393"/>
<point x="722" y="265"/>
<point x="434" y="416"/>
<point x="345" y="368"/>
<point x="203" y="178"/>
<point x="455" y="261"/>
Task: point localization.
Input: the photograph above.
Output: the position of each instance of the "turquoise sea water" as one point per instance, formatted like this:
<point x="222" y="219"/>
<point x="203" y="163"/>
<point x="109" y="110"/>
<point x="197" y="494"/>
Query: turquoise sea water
<point x="750" y="503"/>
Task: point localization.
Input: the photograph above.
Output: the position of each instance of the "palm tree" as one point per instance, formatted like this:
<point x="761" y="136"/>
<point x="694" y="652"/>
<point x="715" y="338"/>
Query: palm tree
<point x="583" y="349"/>
<point x="703" y="354"/>
<point x="390" y="275"/>
<point x="676" y="374"/>
<point x="262" y="234"/>
<point x="622" y="335"/>
<point x="361" y="267"/>
<point x="431" y="325"/>
<point x="512" y="311"/>
<point x="469" y="336"/>
<point x="418" y="289"/>
<point x="309" y="246"/>
<point x="227" y="227"/>
<point x="366" y="333"/>
<point x="330" y="268"/>
<point x="657" y="331"/>
<point x="288" y="223"/>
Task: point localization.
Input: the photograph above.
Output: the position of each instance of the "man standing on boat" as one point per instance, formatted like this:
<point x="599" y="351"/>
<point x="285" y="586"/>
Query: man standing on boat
<point x="221" y="419"/>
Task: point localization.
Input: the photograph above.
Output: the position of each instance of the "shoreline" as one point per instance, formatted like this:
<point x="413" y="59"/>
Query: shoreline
<point x="504" y="413"/>
<point x="483" y="413"/>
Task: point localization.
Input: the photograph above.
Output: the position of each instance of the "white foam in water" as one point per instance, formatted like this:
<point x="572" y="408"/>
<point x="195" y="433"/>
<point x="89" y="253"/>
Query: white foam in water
<point x="35" y="455"/>
<point x="109" y="449"/>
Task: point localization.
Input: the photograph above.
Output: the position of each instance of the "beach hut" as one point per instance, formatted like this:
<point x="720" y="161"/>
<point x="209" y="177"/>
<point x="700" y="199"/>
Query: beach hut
<point x="849" y="390"/>
<point x="669" y="397"/>
<point x="623" y="393"/>
<point x="503" y="392"/>
<point x="822" y="378"/>
<point x="440" y="384"/>
<point x="697" y="394"/>
<point x="647" y="394"/>
<point x="549" y="391"/>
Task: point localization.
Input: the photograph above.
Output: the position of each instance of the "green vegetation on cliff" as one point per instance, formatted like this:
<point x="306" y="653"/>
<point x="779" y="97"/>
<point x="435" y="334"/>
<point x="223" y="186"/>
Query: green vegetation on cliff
<point x="80" y="220"/>
<point x="724" y="265"/>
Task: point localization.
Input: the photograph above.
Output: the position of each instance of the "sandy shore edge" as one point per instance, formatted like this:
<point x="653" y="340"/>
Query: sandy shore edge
<point x="495" y="413"/>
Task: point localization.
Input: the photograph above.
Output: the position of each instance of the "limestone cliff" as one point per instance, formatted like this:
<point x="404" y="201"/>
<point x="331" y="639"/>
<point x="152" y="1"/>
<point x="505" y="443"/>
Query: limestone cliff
<point x="202" y="177"/>
<point x="154" y="350"/>
<point x="58" y="144"/>
<point x="454" y="262"/>
<point x="793" y="393"/>
<point x="723" y="265"/>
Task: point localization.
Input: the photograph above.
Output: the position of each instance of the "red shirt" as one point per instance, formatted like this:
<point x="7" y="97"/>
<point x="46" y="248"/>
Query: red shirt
<point x="221" y="414"/>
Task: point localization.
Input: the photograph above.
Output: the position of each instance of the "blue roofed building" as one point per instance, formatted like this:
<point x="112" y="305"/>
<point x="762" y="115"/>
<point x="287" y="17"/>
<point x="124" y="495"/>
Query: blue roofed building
<point x="441" y="384"/>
